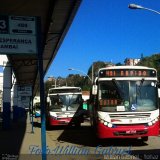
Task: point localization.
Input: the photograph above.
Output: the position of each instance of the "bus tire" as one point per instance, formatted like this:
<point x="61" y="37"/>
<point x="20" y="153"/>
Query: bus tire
<point x="48" y="126"/>
<point x="77" y="124"/>
<point x="144" y="139"/>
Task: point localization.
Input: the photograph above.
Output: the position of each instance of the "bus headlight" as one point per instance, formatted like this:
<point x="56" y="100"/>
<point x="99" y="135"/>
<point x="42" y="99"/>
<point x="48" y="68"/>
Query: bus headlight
<point x="110" y="125"/>
<point x="102" y="121"/>
<point x="149" y="123"/>
<point x="152" y="122"/>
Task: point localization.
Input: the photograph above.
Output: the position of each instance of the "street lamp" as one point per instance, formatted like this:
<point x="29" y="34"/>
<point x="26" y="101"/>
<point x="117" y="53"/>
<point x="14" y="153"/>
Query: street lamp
<point x="135" y="6"/>
<point x="73" y="69"/>
<point x="55" y="80"/>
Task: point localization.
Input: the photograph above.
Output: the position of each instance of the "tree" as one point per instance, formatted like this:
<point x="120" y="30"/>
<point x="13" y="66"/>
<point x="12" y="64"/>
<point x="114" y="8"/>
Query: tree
<point x="83" y="81"/>
<point x="152" y="61"/>
<point x="75" y="80"/>
<point x="47" y="85"/>
<point x="119" y="64"/>
<point x="96" y="66"/>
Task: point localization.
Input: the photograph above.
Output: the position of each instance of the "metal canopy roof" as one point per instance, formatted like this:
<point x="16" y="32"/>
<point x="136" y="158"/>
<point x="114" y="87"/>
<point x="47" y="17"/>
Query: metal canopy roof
<point x="56" y="18"/>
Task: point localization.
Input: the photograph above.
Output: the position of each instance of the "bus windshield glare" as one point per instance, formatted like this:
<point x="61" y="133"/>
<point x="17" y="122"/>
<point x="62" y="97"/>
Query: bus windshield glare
<point x="127" y="96"/>
<point x="67" y="102"/>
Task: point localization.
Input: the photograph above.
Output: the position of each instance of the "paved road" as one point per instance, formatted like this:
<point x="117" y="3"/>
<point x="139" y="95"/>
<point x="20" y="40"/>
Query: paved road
<point x="70" y="143"/>
<point x="82" y="143"/>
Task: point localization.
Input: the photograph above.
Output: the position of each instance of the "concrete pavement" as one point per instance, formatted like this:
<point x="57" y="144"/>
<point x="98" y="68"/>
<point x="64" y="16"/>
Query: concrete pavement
<point x="23" y="142"/>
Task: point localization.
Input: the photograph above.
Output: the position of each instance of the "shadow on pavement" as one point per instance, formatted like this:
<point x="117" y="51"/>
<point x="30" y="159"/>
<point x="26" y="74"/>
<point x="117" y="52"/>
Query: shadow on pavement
<point x="11" y="139"/>
<point x="85" y="136"/>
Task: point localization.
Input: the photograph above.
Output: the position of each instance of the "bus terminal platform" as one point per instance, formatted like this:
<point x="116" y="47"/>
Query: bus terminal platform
<point x="22" y="141"/>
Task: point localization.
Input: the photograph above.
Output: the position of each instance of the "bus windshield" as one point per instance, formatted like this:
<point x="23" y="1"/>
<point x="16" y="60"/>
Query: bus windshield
<point x="67" y="102"/>
<point x="127" y="96"/>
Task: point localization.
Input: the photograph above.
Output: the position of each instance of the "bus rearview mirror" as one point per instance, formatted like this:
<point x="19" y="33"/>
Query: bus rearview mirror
<point x="94" y="89"/>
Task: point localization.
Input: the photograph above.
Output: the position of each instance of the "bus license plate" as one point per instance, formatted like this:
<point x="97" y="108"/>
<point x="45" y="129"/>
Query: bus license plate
<point x="131" y="132"/>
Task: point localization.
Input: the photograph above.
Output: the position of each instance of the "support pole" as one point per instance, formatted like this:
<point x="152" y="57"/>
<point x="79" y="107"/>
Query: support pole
<point x="41" y="85"/>
<point x="31" y="100"/>
<point x="15" y="102"/>
<point x="7" y="83"/>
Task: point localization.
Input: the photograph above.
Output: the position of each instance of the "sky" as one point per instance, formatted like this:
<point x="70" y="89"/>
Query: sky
<point x="107" y="30"/>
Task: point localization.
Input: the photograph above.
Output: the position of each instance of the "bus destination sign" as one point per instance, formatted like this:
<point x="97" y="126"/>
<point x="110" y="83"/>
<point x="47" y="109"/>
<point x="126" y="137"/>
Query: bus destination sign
<point x="127" y="73"/>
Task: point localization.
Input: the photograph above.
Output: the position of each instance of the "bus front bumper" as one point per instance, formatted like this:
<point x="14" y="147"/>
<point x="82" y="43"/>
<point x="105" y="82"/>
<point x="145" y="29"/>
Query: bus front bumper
<point x="127" y="131"/>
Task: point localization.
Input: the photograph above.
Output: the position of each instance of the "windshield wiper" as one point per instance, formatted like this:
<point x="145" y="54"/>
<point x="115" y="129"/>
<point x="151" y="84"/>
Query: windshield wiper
<point x="139" y="87"/>
<point x="120" y="92"/>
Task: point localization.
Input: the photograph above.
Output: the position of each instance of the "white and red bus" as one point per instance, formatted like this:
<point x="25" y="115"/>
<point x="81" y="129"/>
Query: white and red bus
<point x="65" y="106"/>
<point x="124" y="102"/>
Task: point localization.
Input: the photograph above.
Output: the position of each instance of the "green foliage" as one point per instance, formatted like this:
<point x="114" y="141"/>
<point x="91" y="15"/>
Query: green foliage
<point x="119" y="64"/>
<point x="51" y="83"/>
<point x="152" y="61"/>
<point x="47" y="85"/>
<point x="96" y="66"/>
<point x="85" y="83"/>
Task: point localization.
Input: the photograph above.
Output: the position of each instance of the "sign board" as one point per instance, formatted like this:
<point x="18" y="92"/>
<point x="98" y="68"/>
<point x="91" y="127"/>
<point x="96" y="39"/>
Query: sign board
<point x="18" y="44"/>
<point x="18" y="35"/>
<point x="22" y="25"/>
<point x="25" y="90"/>
<point x="24" y="99"/>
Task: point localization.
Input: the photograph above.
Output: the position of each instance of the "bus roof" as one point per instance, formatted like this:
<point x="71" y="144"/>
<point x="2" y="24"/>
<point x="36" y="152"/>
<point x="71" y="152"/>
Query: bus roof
<point x="65" y="89"/>
<point x="127" y="67"/>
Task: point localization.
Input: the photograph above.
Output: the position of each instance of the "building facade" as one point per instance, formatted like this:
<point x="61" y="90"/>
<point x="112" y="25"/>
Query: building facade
<point x="131" y="61"/>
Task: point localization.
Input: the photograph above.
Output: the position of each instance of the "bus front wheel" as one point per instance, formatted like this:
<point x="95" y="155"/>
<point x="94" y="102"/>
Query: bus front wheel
<point x="77" y="124"/>
<point x="144" y="139"/>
